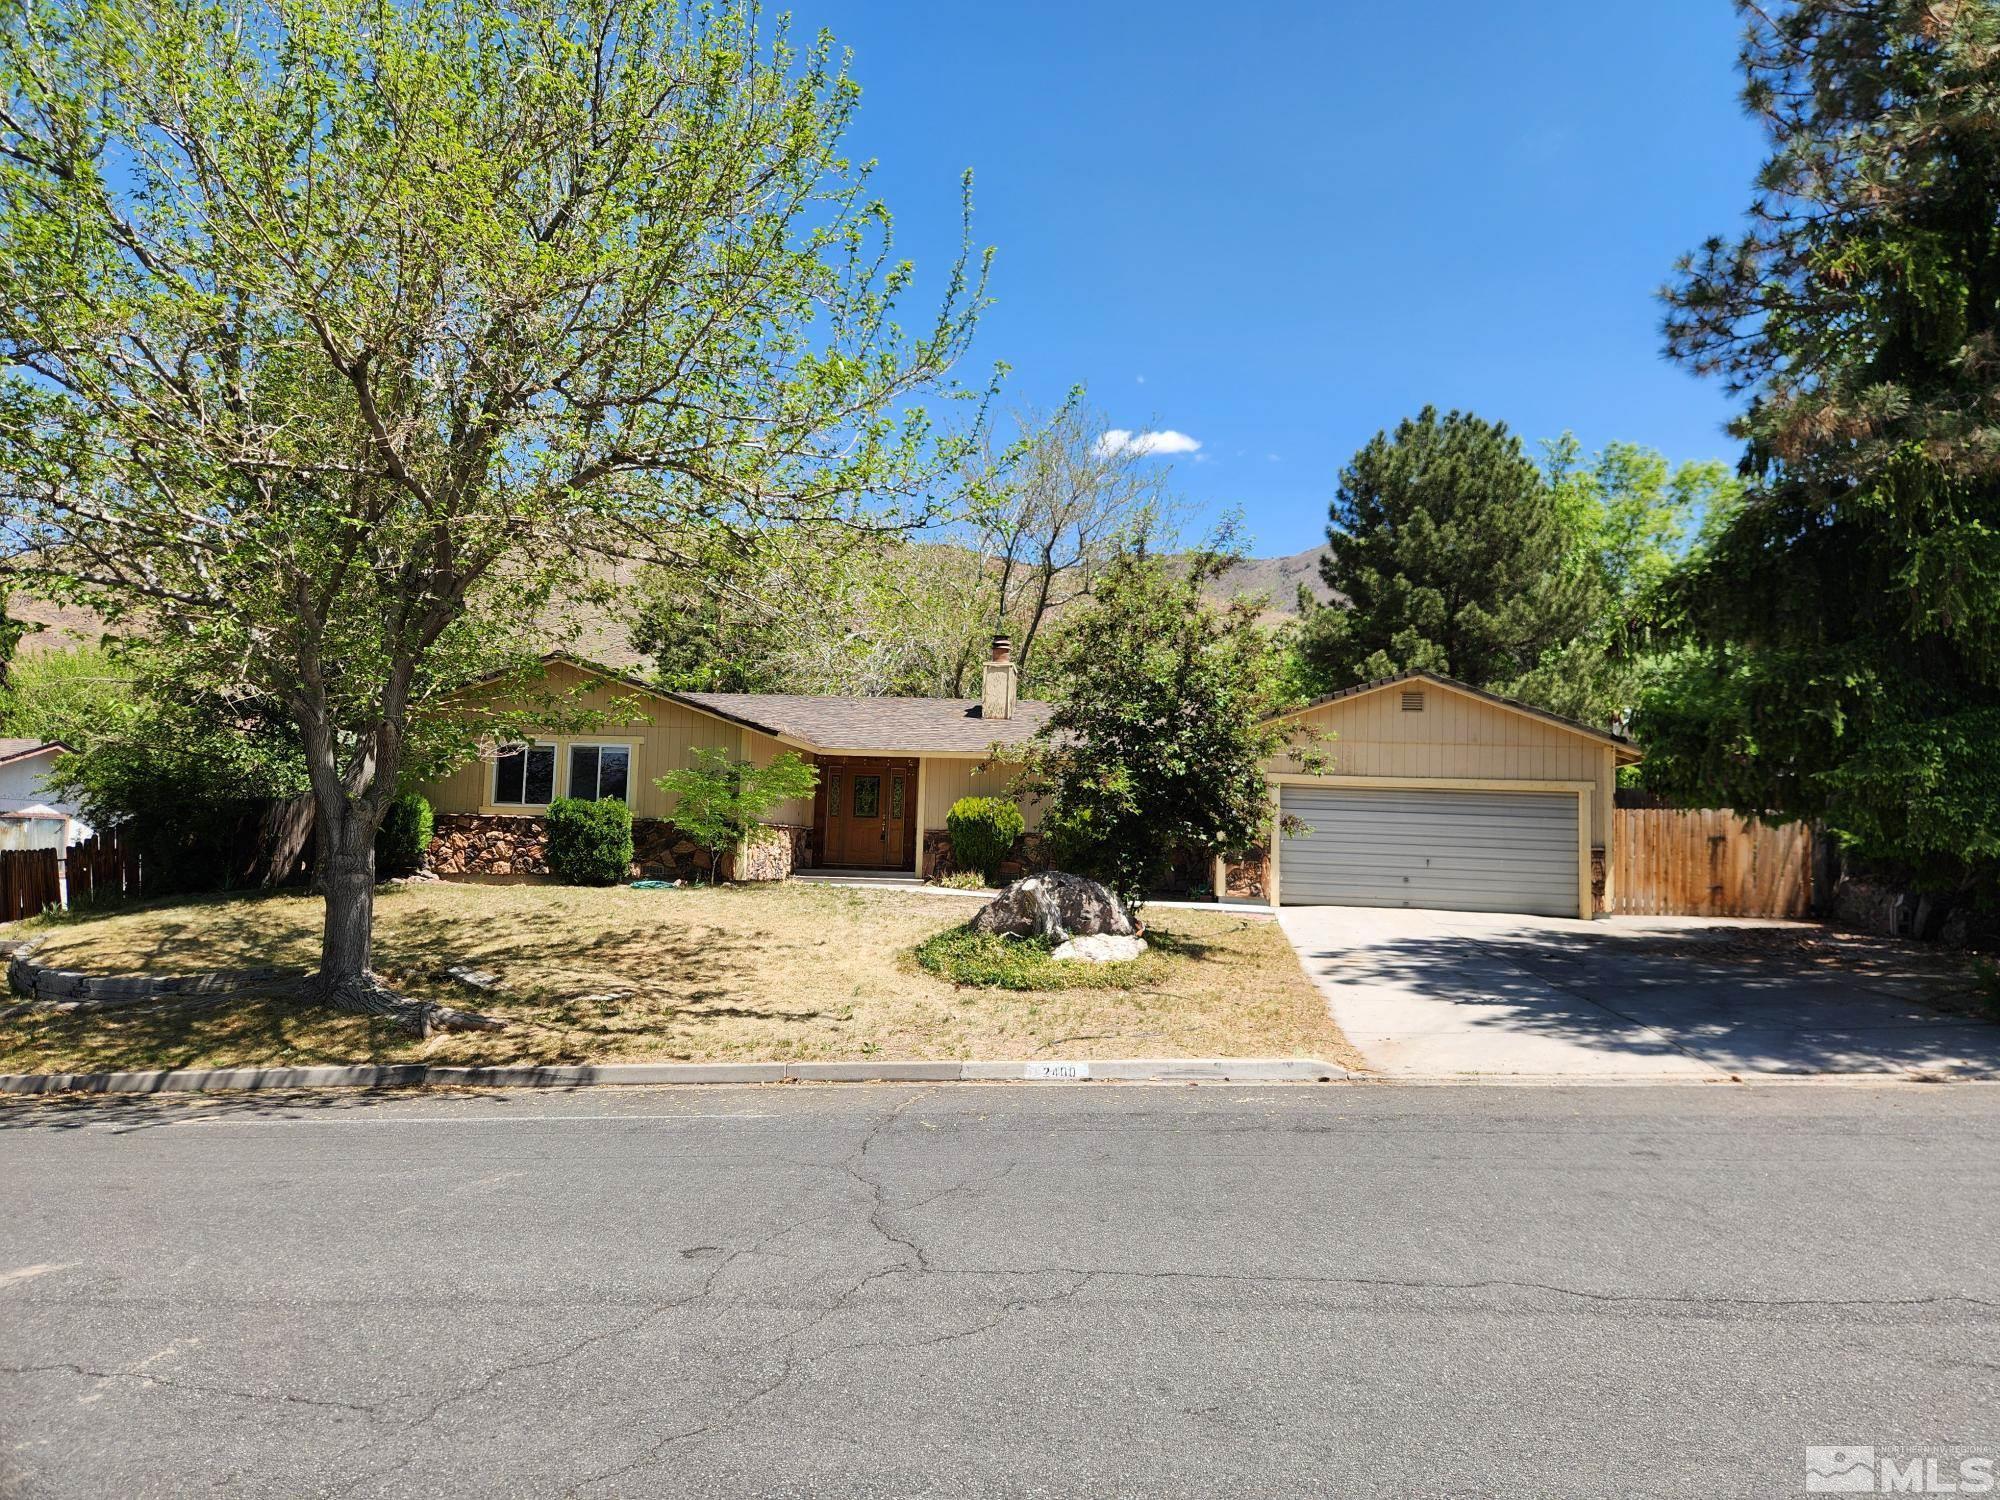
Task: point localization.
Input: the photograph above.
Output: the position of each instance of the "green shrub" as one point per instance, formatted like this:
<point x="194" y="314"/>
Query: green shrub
<point x="983" y="833"/>
<point x="404" y="836"/>
<point x="590" y="843"/>
<point x="719" y="800"/>
<point x="987" y="961"/>
<point x="961" y="880"/>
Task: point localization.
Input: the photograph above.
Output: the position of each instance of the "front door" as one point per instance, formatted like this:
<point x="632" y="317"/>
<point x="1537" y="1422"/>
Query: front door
<point x="867" y="812"/>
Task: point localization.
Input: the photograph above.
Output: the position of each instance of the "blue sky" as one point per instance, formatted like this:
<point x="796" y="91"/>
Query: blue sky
<point x="1277" y="228"/>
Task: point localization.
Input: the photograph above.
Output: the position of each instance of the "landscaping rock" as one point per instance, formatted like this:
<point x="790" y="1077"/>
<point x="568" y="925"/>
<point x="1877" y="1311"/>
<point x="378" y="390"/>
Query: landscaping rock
<point x="1100" y="948"/>
<point x="1054" y="905"/>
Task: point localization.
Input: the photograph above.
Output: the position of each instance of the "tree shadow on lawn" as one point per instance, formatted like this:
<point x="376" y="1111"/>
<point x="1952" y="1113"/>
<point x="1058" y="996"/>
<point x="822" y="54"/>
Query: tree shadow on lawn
<point x="571" y="996"/>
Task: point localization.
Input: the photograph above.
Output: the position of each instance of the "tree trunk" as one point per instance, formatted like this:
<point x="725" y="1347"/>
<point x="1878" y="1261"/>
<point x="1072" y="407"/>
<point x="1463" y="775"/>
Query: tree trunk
<point x="346" y="978"/>
<point x="347" y="875"/>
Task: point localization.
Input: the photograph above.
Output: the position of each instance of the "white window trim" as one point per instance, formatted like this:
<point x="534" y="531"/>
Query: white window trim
<point x="493" y="775"/>
<point x="631" y="749"/>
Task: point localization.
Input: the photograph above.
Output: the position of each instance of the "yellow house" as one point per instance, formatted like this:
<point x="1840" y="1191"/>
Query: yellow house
<point x="1439" y="794"/>
<point x="889" y="769"/>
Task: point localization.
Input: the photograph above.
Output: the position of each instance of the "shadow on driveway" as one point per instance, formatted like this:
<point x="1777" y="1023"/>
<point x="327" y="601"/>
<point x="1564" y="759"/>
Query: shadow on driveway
<point x="1422" y="992"/>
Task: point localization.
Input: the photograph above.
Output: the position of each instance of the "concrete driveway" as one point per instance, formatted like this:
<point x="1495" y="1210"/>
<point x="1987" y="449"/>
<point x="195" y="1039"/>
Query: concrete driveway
<point x="1440" y="993"/>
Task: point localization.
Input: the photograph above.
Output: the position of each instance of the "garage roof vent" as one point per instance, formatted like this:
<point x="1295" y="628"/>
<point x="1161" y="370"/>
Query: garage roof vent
<point x="1413" y="700"/>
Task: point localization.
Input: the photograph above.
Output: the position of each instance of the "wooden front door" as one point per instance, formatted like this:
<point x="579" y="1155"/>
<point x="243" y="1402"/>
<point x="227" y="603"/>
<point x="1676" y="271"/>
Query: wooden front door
<point x="865" y="814"/>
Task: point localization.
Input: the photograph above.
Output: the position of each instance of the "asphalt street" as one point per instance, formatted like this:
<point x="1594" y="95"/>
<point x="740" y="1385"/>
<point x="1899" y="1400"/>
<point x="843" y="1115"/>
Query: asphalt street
<point x="1087" y="1290"/>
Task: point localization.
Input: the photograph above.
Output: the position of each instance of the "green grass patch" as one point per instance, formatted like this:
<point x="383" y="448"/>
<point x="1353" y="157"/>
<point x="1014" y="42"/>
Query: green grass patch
<point x="988" y="961"/>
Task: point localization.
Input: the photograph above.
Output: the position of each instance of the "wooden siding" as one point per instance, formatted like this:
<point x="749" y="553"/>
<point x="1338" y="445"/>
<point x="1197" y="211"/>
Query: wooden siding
<point x="761" y="750"/>
<point x="1708" y="864"/>
<point x="1457" y="738"/>
<point x="946" y="780"/>
<point x="663" y="737"/>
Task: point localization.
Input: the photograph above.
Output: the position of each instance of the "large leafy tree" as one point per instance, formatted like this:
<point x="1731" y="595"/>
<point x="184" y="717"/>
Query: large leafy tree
<point x="1629" y="517"/>
<point x="1162" y="726"/>
<point x="1032" y="524"/>
<point x="340" y="335"/>
<point x="1053" y="510"/>
<point x="1452" y="555"/>
<point x="1842" y="630"/>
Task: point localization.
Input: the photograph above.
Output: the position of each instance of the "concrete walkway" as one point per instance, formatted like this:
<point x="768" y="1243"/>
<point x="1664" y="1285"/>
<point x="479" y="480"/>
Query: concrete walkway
<point x="1442" y="993"/>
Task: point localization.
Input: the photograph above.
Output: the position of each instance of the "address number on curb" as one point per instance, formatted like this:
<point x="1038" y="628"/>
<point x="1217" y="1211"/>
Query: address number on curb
<point x="1058" y="1070"/>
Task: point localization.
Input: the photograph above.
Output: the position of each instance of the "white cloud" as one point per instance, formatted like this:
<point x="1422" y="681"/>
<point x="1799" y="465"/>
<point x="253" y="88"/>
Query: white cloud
<point x="1120" y="440"/>
<point x="1140" y="378"/>
<point x="1272" y="457"/>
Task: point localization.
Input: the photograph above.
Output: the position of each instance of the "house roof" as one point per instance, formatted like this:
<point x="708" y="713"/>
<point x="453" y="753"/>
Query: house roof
<point x="934" y="726"/>
<point x="836" y="724"/>
<point x="12" y="750"/>
<point x="1627" y="751"/>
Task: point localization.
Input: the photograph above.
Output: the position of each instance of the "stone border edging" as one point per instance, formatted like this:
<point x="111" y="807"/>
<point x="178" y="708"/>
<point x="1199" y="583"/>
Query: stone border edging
<point x="416" y="1075"/>
<point x="73" y="989"/>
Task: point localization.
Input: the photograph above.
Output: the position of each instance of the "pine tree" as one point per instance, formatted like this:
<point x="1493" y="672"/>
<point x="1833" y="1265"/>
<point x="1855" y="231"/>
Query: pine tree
<point x="1450" y="549"/>
<point x="1843" y="629"/>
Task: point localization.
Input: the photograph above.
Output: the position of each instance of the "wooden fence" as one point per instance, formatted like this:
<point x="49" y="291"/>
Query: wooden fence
<point x="30" y="883"/>
<point x="1708" y="864"/>
<point x="102" y="868"/>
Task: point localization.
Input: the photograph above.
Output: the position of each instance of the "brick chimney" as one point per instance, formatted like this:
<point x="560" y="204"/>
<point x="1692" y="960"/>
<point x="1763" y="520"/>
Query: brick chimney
<point x="1002" y="681"/>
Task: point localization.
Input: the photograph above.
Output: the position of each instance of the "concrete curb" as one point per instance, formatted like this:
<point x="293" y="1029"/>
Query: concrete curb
<point x="420" y="1075"/>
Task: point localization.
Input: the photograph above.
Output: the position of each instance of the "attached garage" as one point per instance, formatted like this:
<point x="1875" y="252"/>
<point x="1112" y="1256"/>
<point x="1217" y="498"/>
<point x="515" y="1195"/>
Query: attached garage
<point x="1439" y="795"/>
<point x="1447" y="850"/>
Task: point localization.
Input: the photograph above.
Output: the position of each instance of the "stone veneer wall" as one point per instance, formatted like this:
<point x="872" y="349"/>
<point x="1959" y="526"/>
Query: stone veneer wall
<point x="483" y="844"/>
<point x="937" y="861"/>
<point x="1247" y="876"/>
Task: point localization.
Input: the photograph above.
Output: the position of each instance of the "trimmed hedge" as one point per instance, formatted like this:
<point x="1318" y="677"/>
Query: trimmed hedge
<point x="590" y="843"/>
<point x="983" y="832"/>
<point x="405" y="835"/>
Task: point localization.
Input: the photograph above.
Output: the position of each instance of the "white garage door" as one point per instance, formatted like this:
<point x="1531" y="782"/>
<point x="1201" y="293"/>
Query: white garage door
<point x="1454" y="851"/>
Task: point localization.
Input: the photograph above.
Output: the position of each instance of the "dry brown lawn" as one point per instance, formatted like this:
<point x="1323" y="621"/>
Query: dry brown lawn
<point x="790" y="972"/>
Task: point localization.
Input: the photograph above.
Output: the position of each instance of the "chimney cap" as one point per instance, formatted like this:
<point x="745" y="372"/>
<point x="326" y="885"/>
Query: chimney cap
<point x="1003" y="647"/>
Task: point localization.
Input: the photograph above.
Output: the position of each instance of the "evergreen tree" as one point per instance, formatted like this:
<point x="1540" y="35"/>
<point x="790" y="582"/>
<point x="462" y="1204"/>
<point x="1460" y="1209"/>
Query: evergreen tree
<point x="1452" y="553"/>
<point x="1842" y="629"/>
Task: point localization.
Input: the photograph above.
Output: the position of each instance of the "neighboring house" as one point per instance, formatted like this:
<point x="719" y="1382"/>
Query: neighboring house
<point x="31" y="815"/>
<point x="1440" y="795"/>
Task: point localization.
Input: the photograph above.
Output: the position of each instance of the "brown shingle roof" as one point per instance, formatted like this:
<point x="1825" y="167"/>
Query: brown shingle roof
<point x="835" y="724"/>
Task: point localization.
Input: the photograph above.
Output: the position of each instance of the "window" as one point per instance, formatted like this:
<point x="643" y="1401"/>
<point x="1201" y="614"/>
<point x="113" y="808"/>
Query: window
<point x="833" y="795"/>
<point x="896" y="798"/>
<point x="525" y="776"/>
<point x="867" y="796"/>
<point x="598" y="773"/>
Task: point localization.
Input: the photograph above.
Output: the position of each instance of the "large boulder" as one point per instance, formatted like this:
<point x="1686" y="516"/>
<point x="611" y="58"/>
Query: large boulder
<point x="1056" y="906"/>
<point x="1100" y="948"/>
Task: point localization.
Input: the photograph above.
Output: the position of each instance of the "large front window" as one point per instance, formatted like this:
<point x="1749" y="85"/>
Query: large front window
<point x="525" y="776"/>
<point x="599" y="772"/>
